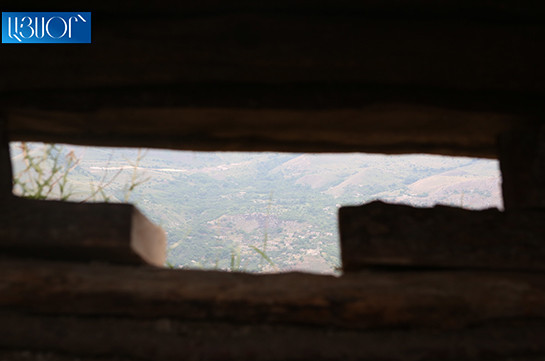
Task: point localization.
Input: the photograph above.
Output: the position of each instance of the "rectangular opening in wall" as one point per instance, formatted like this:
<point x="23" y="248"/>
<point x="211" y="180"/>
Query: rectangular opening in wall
<point x="254" y="212"/>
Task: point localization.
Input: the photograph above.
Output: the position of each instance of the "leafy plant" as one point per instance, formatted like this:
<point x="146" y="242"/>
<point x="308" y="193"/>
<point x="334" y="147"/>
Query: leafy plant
<point x="235" y="260"/>
<point x="45" y="172"/>
<point x="136" y="178"/>
<point x="264" y="255"/>
<point x="263" y="252"/>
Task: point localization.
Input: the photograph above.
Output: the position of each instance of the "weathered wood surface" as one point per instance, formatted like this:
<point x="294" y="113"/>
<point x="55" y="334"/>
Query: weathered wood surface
<point x="522" y="162"/>
<point x="122" y="339"/>
<point x="99" y="310"/>
<point x="369" y="76"/>
<point x="379" y="234"/>
<point x="6" y="186"/>
<point x="72" y="231"/>
<point x="365" y="301"/>
<point x="386" y="129"/>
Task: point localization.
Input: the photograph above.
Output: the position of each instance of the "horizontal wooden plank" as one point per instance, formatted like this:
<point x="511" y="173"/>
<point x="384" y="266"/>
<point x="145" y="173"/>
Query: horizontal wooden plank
<point x="323" y="76"/>
<point x="390" y="128"/>
<point x="365" y="301"/>
<point x="166" y="339"/>
<point x="254" y="117"/>
<point x="379" y="234"/>
<point x="74" y="231"/>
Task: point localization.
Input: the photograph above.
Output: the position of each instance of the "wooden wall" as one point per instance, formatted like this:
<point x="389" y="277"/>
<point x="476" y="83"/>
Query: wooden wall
<point x="392" y="76"/>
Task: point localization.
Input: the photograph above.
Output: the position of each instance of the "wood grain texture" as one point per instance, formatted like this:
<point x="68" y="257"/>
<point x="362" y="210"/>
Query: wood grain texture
<point x="322" y="76"/>
<point x="166" y="339"/>
<point x="393" y="128"/>
<point x="379" y="234"/>
<point x="364" y="301"/>
<point x="379" y="76"/>
<point x="72" y="231"/>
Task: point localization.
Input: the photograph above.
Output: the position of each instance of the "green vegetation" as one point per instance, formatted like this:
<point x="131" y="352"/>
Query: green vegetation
<point x="44" y="173"/>
<point x="263" y="211"/>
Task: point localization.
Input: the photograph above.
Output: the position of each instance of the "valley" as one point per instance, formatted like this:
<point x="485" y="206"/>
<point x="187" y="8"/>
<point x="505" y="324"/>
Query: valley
<point x="266" y="212"/>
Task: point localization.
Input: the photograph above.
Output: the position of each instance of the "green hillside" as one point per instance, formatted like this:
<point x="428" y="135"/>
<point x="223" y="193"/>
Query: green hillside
<point x="227" y="210"/>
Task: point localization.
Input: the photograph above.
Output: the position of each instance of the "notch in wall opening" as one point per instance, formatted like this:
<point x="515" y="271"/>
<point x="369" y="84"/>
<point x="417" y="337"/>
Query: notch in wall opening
<point x="253" y="212"/>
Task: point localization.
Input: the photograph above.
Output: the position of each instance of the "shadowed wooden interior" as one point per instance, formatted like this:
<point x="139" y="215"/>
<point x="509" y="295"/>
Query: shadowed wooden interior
<point x="444" y="77"/>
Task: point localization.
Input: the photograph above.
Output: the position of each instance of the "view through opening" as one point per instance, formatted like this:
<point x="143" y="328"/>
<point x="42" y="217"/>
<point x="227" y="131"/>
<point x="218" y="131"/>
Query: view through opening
<point x="255" y="212"/>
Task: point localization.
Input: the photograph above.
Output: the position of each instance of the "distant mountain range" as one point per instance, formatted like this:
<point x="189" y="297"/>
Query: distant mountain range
<point x="269" y="211"/>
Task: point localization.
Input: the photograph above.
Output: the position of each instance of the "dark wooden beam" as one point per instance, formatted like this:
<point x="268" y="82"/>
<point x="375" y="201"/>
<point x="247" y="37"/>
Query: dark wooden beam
<point x="326" y="76"/>
<point x="165" y="339"/>
<point x="522" y="162"/>
<point x="385" y="128"/>
<point x="116" y="233"/>
<point x="365" y="301"/>
<point x="379" y="234"/>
